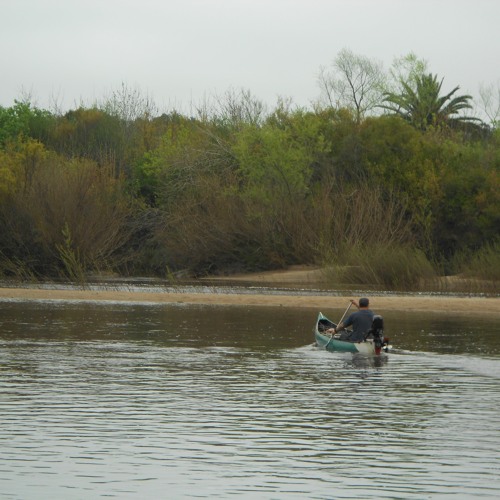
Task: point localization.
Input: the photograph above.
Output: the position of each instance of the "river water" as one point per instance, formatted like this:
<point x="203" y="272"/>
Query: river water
<point x="174" y="401"/>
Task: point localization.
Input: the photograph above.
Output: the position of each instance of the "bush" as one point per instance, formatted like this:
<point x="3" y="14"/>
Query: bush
<point x="393" y="266"/>
<point x="484" y="264"/>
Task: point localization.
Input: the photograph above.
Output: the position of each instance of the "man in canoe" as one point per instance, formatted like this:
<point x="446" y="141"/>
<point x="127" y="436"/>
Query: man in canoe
<point x="361" y="321"/>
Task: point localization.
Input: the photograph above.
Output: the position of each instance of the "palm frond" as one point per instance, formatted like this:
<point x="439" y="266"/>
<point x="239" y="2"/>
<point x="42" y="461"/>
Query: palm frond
<point x="423" y="105"/>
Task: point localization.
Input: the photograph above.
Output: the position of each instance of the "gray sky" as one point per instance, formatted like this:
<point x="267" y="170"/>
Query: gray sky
<point x="182" y="51"/>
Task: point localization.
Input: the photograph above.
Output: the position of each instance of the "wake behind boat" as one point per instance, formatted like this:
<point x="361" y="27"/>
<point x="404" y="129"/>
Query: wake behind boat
<point x="373" y="343"/>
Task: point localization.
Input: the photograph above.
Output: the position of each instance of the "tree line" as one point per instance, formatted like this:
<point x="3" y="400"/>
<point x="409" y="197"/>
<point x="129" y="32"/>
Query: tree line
<point x="383" y="184"/>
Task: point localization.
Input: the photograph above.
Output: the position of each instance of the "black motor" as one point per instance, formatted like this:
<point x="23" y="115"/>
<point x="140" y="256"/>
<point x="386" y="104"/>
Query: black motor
<point x="377" y="328"/>
<point x="376" y="332"/>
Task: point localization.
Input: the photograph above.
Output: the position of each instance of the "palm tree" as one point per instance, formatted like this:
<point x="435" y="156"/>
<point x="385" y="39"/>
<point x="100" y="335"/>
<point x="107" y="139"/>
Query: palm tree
<point x="422" y="106"/>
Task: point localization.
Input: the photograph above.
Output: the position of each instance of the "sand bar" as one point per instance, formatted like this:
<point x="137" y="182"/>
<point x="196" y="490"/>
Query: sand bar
<point x="420" y="302"/>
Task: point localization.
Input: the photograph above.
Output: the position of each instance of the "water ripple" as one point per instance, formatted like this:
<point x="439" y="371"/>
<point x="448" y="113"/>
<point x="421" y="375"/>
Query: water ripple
<point x="83" y="417"/>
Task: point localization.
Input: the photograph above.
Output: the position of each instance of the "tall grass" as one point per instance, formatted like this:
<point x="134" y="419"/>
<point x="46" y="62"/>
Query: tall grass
<point x="484" y="264"/>
<point x="395" y="267"/>
<point x="75" y="269"/>
<point x="369" y="240"/>
<point x="403" y="267"/>
<point x="15" y="268"/>
<point x="477" y="272"/>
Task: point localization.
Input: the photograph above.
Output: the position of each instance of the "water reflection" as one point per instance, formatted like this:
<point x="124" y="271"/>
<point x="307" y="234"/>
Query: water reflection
<point x="142" y="401"/>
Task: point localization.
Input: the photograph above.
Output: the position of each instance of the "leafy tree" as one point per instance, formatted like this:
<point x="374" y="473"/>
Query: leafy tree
<point x="7" y="173"/>
<point x="272" y="164"/>
<point x="90" y="133"/>
<point x="20" y="160"/>
<point x="467" y="212"/>
<point x="167" y="173"/>
<point x="274" y="172"/>
<point x="400" y="161"/>
<point x="22" y="119"/>
<point x="424" y="106"/>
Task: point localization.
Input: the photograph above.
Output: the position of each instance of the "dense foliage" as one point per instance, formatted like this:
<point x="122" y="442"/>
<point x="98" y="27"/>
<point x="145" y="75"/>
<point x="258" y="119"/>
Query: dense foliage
<point x="234" y="188"/>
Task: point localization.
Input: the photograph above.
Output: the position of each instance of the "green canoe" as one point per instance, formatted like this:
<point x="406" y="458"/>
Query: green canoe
<point x="373" y="344"/>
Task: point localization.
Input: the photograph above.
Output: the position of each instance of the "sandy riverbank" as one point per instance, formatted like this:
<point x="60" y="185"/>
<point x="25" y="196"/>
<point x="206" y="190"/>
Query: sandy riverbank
<point x="458" y="305"/>
<point x="294" y="276"/>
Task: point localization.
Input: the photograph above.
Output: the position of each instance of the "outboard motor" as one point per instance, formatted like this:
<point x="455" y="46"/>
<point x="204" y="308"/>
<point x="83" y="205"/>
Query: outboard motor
<point x="377" y="333"/>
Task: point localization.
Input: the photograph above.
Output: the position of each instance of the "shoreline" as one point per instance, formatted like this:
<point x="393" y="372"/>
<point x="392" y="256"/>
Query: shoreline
<point x="380" y="303"/>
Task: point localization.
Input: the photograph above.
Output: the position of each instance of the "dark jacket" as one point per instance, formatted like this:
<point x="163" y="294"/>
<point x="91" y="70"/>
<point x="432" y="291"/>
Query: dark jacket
<point x="361" y="322"/>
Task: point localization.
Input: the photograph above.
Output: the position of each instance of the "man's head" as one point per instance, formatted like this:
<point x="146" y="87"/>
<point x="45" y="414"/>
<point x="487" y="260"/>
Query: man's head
<point x="363" y="302"/>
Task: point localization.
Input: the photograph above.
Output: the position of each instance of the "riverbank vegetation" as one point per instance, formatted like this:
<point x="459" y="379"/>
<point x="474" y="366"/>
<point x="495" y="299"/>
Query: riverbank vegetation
<point x="395" y="194"/>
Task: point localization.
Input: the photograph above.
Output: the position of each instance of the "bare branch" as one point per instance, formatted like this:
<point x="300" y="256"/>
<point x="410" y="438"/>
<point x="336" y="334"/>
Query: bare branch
<point x="354" y="82"/>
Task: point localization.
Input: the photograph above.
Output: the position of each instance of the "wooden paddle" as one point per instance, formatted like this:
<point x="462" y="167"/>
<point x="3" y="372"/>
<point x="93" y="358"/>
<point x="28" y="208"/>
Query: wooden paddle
<point x="346" y="311"/>
<point x="343" y="316"/>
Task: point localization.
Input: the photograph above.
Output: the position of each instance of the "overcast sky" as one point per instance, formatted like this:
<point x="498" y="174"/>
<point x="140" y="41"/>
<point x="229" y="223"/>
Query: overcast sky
<point x="181" y="51"/>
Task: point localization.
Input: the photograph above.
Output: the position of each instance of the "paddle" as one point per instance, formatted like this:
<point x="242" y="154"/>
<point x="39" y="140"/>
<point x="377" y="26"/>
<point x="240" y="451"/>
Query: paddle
<point x="343" y="316"/>
<point x="346" y="311"/>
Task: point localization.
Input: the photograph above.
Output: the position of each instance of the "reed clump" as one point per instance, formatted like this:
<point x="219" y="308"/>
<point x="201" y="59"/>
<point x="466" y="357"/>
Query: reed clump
<point x="476" y="272"/>
<point x="383" y="265"/>
<point x="485" y="263"/>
